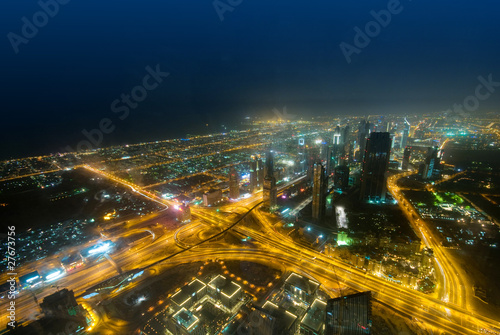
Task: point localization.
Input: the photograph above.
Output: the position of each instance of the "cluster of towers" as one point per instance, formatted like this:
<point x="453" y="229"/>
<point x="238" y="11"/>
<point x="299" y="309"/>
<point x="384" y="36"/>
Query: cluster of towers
<point x="371" y="149"/>
<point x="328" y="163"/>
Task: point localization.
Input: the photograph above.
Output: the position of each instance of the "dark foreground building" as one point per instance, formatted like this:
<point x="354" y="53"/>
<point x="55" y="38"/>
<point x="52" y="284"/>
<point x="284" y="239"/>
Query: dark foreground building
<point x="375" y="167"/>
<point x="349" y="315"/>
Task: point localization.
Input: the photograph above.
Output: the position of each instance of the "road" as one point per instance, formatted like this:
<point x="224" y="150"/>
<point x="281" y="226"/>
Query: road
<point x="448" y="312"/>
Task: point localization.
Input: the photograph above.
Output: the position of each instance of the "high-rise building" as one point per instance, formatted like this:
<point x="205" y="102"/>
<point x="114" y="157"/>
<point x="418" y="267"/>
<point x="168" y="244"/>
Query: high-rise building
<point x="405" y="134"/>
<point x="260" y="174"/>
<point x="270" y="192"/>
<point x="212" y="197"/>
<point x="331" y="160"/>
<point x="363" y="131"/>
<point x="253" y="176"/>
<point x="184" y="213"/>
<point x="312" y="157"/>
<point x="319" y="191"/>
<point x="375" y="166"/>
<point x="269" y="168"/>
<point x="234" y="184"/>
<point x="341" y="177"/>
<point x="406" y="159"/>
<point x="329" y="206"/>
<point x="301" y="156"/>
<point x="61" y="303"/>
<point x="431" y="163"/>
<point x="337" y="136"/>
<point x="349" y="315"/>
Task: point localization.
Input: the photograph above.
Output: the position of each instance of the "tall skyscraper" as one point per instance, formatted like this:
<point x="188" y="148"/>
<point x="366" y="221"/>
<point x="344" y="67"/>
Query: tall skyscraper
<point x="253" y="176"/>
<point x="301" y="156"/>
<point x="319" y="191"/>
<point x="431" y="163"/>
<point x="234" y="184"/>
<point x="260" y="173"/>
<point x="404" y="136"/>
<point x="269" y="168"/>
<point x="312" y="158"/>
<point x="363" y="131"/>
<point x="375" y="166"/>
<point x="349" y="315"/>
<point x="337" y="136"/>
<point x="270" y="192"/>
<point x="406" y="158"/>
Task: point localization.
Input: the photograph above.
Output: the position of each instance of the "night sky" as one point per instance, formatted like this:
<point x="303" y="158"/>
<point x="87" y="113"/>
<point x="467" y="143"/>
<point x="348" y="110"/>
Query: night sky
<point x="265" y="54"/>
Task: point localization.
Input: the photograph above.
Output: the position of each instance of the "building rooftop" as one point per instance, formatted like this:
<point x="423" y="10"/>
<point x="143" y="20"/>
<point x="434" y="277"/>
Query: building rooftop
<point x="284" y="318"/>
<point x="225" y="286"/>
<point x="182" y="296"/>
<point x="186" y="319"/>
<point x="302" y="283"/>
<point x="315" y="316"/>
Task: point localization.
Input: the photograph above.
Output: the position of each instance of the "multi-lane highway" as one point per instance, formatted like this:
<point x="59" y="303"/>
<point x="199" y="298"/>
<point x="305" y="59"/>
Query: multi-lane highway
<point x="448" y="312"/>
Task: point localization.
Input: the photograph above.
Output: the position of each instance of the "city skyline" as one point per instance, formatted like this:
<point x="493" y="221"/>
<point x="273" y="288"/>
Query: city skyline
<point x="260" y="57"/>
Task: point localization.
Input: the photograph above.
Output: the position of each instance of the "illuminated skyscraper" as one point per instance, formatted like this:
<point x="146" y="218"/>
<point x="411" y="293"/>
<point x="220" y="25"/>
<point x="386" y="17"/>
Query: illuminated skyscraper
<point x="253" y="176"/>
<point x="404" y="136"/>
<point x="234" y="184"/>
<point x="406" y="158"/>
<point x="270" y="190"/>
<point x="363" y="131"/>
<point x="260" y="174"/>
<point x="431" y="163"/>
<point x="375" y="167"/>
<point x="319" y="191"/>
<point x="301" y="156"/>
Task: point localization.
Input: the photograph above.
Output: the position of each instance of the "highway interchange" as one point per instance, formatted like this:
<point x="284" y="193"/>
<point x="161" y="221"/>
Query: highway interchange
<point x="449" y="311"/>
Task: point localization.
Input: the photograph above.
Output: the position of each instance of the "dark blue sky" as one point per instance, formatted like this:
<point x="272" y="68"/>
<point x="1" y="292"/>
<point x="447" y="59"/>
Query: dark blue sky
<point x="264" y="55"/>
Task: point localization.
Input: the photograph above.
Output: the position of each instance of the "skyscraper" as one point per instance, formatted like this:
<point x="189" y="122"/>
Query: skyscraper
<point x="375" y="166"/>
<point x="363" y="131"/>
<point x="337" y="136"/>
<point x="319" y="191"/>
<point x="404" y="136"/>
<point x="260" y="174"/>
<point x="269" y="167"/>
<point x="301" y="156"/>
<point x="406" y="158"/>
<point x="341" y="177"/>
<point x="253" y="176"/>
<point x="431" y="163"/>
<point x="270" y="191"/>
<point x="349" y="315"/>
<point x="234" y="184"/>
